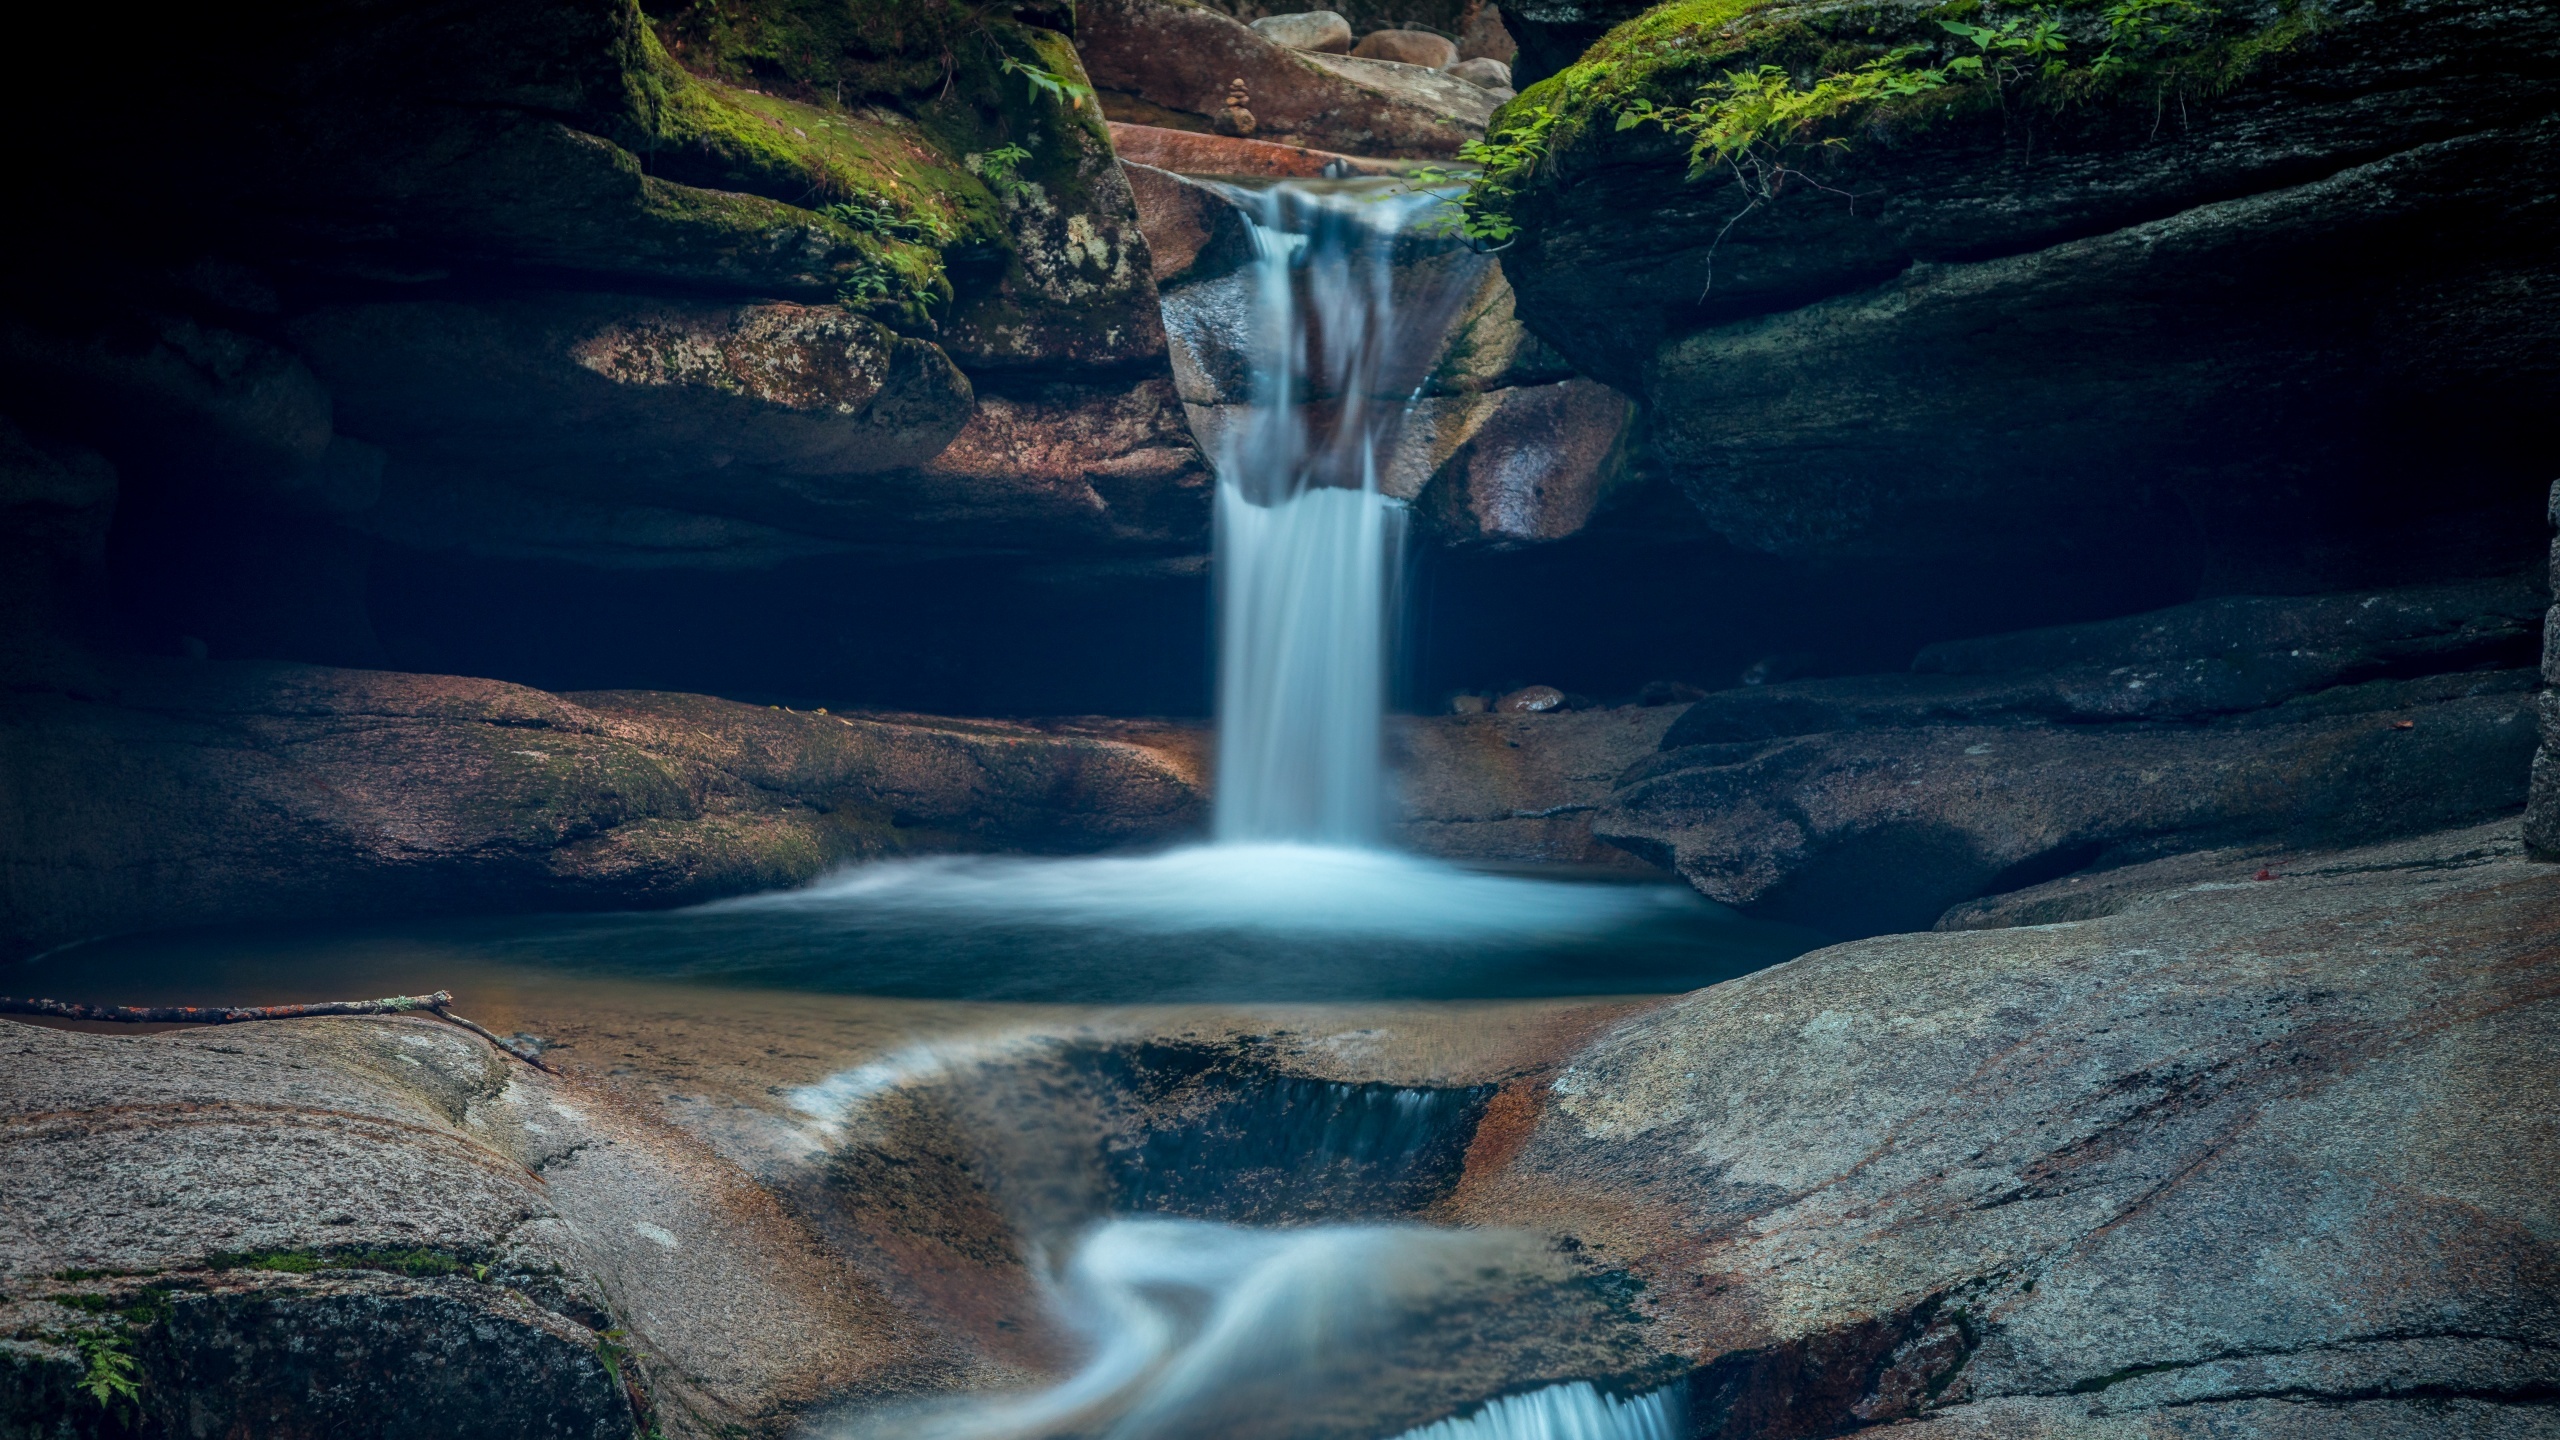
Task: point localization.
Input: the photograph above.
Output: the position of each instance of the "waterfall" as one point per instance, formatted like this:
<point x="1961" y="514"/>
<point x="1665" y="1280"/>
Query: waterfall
<point x="1306" y="543"/>
<point x="1563" y="1412"/>
<point x="1195" y="1329"/>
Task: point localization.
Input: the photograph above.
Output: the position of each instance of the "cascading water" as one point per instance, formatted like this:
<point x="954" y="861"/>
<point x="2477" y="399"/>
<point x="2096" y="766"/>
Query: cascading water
<point x="1193" y="1330"/>
<point x="1187" y="1328"/>
<point x="1306" y="543"/>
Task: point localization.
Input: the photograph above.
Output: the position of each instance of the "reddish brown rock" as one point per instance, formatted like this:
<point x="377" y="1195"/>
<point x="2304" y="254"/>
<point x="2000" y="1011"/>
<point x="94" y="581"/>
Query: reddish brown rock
<point x="1183" y="57"/>
<point x="1481" y="35"/>
<point x="1534" y="464"/>
<point x="188" y="793"/>
<point x="1474" y="786"/>
<point x="1063" y="464"/>
<point x="1189" y="152"/>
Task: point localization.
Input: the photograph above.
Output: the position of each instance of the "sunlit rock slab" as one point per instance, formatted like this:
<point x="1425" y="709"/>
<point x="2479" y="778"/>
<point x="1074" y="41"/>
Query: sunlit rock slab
<point x="194" y="792"/>
<point x="2236" y="1153"/>
<point x="325" y="1220"/>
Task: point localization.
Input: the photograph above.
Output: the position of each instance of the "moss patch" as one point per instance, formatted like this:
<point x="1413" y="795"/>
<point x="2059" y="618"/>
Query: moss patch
<point x="1728" y="75"/>
<point x="419" y="1262"/>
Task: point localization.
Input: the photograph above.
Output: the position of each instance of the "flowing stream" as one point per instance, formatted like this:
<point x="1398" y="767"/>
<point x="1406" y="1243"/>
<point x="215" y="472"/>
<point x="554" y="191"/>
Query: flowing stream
<point x="971" y="988"/>
<point x="1186" y="1327"/>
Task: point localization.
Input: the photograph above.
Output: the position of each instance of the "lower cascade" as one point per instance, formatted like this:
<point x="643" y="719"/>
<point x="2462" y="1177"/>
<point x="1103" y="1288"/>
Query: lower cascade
<point x="1192" y="1328"/>
<point x="1579" y="1411"/>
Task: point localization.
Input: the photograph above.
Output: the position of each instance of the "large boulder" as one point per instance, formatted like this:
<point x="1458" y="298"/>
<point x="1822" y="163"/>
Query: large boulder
<point x="1875" y="803"/>
<point x="2252" y="1159"/>
<point x="2220" y="319"/>
<point x="190" y="792"/>
<point x="385" y="1227"/>
<point x="1180" y="56"/>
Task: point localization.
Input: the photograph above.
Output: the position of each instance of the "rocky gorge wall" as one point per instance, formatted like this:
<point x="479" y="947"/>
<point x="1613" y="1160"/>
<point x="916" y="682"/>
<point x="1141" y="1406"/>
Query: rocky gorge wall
<point x="741" y="352"/>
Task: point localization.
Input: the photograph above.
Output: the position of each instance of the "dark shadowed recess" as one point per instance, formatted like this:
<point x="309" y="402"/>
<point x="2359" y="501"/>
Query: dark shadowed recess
<point x="1607" y="612"/>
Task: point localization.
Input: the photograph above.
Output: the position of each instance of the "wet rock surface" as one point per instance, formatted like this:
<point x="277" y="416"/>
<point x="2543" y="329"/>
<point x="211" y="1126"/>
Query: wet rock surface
<point x="170" y="792"/>
<point x="2246" y="1158"/>
<point x="1518" y="787"/>
<point x="1875" y="803"/>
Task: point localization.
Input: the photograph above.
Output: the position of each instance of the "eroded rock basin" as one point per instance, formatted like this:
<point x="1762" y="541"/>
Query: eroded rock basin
<point x="756" y="1204"/>
<point x="2263" y="1156"/>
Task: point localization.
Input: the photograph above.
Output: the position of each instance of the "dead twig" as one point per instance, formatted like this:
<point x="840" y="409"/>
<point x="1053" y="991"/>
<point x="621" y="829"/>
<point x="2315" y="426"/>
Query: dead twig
<point x="434" y="1004"/>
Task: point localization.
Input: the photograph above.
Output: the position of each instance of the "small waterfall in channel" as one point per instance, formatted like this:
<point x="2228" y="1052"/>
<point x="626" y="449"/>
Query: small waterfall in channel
<point x="1194" y="1330"/>
<point x="1306" y="542"/>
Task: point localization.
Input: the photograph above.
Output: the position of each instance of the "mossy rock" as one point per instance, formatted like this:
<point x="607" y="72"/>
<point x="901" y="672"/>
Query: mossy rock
<point x="973" y="124"/>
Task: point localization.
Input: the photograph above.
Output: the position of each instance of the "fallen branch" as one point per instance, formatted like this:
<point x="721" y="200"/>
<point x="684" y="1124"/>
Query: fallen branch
<point x="236" y="1014"/>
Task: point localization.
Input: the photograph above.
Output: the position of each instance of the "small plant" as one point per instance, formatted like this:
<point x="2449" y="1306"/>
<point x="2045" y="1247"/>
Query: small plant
<point x="1507" y="159"/>
<point x="1065" y="89"/>
<point x="1748" y="115"/>
<point x="2141" y="30"/>
<point x="870" y="214"/>
<point x="611" y="1352"/>
<point x="1000" y="168"/>
<point x="867" y="285"/>
<point x="2008" y="51"/>
<point x="108" y="1371"/>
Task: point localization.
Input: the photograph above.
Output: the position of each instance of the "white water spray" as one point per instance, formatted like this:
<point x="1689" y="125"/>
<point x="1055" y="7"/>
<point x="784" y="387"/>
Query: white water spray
<point x="1306" y="543"/>
<point x="1194" y="1329"/>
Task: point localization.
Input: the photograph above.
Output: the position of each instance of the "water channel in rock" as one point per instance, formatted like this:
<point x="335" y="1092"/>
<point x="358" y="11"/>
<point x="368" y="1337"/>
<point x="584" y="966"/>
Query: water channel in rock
<point x="1153" y="1140"/>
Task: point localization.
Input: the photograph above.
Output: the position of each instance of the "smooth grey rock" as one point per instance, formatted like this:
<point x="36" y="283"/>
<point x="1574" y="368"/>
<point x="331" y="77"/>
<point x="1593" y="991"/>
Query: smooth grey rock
<point x="1486" y="73"/>
<point x="1861" y="831"/>
<point x="2254" y="1160"/>
<point x="475" y="1225"/>
<point x="1307" y="30"/>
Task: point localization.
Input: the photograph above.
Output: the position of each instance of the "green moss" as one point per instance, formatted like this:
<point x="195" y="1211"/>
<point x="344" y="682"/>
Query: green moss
<point x="844" y="53"/>
<point x="418" y="1262"/>
<point x="1732" y="75"/>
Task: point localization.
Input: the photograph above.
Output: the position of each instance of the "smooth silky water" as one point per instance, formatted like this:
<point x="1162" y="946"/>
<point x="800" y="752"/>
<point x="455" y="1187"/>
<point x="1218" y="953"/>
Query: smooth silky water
<point x="769" y="1023"/>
